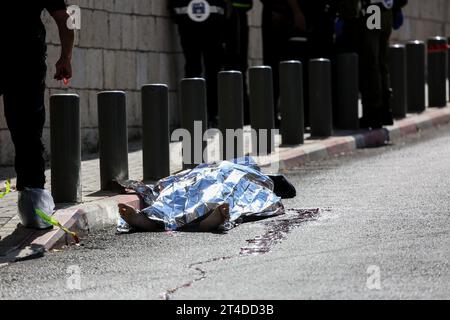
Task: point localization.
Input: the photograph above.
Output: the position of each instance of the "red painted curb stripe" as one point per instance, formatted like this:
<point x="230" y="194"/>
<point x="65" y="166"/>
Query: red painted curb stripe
<point x="408" y="127"/>
<point x="338" y="146"/>
<point x="440" y="117"/>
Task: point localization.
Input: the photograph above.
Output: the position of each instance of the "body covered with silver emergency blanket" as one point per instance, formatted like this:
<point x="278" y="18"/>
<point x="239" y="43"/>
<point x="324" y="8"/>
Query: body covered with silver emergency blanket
<point x="190" y="195"/>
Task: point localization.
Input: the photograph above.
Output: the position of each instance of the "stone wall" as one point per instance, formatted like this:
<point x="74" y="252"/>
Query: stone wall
<point x="425" y="18"/>
<point x="124" y="44"/>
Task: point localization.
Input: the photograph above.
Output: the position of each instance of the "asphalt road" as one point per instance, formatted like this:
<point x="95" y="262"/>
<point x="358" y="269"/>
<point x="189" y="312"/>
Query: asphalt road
<point x="383" y="231"/>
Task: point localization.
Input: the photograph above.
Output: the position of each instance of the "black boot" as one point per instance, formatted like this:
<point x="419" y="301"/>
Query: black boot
<point x="370" y="124"/>
<point x="387" y="117"/>
<point x="371" y="119"/>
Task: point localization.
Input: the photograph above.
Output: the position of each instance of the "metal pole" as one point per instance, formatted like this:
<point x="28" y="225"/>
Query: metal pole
<point x="262" y="111"/>
<point x="113" y="138"/>
<point x="397" y="67"/>
<point x="193" y="119"/>
<point x="437" y="72"/>
<point x="155" y="132"/>
<point x="320" y="97"/>
<point x="65" y="140"/>
<point x="347" y="116"/>
<point x="292" y="103"/>
<point x="231" y="113"/>
<point x="415" y="70"/>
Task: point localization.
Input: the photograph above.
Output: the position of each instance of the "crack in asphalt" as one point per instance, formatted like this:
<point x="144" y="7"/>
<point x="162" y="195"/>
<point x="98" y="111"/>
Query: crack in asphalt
<point x="202" y="276"/>
<point x="277" y="231"/>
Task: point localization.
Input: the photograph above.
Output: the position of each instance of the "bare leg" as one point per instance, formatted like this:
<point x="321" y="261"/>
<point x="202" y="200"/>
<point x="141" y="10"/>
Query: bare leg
<point x="215" y="219"/>
<point x="136" y="219"/>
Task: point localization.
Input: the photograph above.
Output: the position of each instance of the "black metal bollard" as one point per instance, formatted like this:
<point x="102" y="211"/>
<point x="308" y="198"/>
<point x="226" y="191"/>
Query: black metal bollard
<point x="113" y="138"/>
<point x="262" y="113"/>
<point x="194" y="119"/>
<point x="397" y="68"/>
<point x="415" y="70"/>
<point x="347" y="116"/>
<point x="320" y="97"/>
<point x="155" y="131"/>
<point x="292" y="103"/>
<point x="437" y="72"/>
<point x="231" y="113"/>
<point x="65" y="139"/>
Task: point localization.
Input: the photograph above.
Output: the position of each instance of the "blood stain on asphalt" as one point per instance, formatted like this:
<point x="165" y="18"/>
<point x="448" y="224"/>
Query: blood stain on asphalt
<point x="278" y="231"/>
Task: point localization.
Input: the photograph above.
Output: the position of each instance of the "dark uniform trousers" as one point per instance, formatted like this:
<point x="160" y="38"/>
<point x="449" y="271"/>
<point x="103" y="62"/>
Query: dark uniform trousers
<point x="23" y="90"/>
<point x="374" y="65"/>
<point x="236" y="49"/>
<point x="277" y="29"/>
<point x="320" y="20"/>
<point x="349" y="13"/>
<point x="202" y="43"/>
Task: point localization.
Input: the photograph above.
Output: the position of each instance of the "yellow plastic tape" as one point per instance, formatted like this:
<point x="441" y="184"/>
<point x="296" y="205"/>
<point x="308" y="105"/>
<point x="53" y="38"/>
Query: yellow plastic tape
<point x="7" y="189"/>
<point x="54" y="222"/>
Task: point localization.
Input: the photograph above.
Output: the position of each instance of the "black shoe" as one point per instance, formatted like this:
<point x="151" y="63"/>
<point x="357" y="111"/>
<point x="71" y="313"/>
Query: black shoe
<point x="387" y="118"/>
<point x="277" y="123"/>
<point x="364" y="124"/>
<point x="213" y="124"/>
<point x="370" y="124"/>
<point x="376" y="125"/>
<point x="282" y="187"/>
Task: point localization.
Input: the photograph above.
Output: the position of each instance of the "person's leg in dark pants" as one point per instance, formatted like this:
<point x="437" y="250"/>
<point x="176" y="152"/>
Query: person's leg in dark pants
<point x="276" y="31"/>
<point x="236" y="47"/>
<point x="269" y="54"/>
<point x="350" y="36"/>
<point x="192" y="51"/>
<point x="370" y="77"/>
<point x="321" y="45"/>
<point x="25" y="116"/>
<point x="203" y="46"/>
<point x="375" y="80"/>
<point x="386" y="31"/>
<point x="213" y="55"/>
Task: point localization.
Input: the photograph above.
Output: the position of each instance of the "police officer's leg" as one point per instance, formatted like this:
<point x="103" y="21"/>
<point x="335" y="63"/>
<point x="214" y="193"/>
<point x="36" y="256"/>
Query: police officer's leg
<point x="370" y="78"/>
<point x="350" y="35"/>
<point x="281" y="33"/>
<point x="236" y="50"/>
<point x="232" y="40"/>
<point x="213" y="54"/>
<point x="190" y="42"/>
<point x="271" y="49"/>
<point x="237" y="31"/>
<point x="244" y="44"/>
<point x="267" y="37"/>
<point x="387" y="21"/>
<point x="25" y="116"/>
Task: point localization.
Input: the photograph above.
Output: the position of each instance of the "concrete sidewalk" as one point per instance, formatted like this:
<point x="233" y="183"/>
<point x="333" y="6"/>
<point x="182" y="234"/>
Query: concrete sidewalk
<point x="99" y="208"/>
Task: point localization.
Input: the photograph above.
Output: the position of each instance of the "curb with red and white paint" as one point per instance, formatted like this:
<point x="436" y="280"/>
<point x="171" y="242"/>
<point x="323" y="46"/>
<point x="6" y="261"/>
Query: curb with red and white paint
<point x="365" y="139"/>
<point x="87" y="217"/>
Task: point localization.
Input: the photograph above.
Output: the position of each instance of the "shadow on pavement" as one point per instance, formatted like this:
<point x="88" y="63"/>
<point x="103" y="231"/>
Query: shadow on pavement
<point x="17" y="246"/>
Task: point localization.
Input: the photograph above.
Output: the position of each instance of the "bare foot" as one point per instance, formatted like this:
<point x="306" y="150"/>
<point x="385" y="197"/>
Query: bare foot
<point x="136" y="219"/>
<point x="215" y="219"/>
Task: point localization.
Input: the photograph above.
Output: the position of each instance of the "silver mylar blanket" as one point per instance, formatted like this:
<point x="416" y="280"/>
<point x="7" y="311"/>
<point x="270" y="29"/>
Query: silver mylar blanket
<point x="182" y="199"/>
